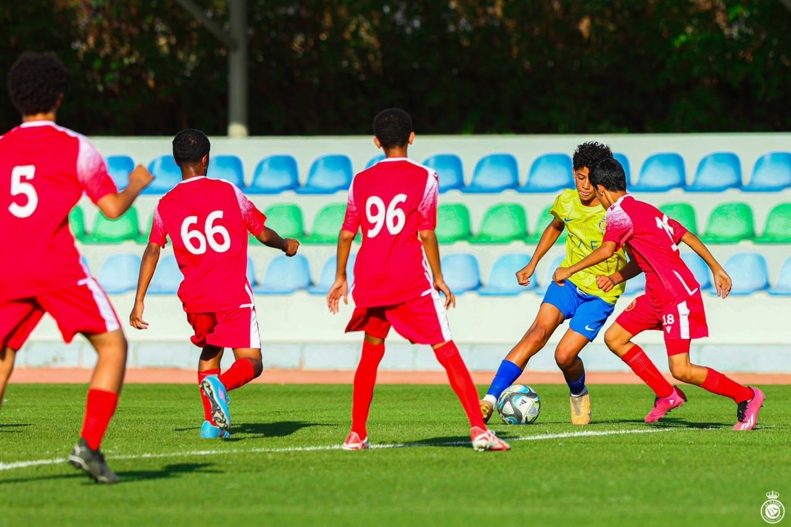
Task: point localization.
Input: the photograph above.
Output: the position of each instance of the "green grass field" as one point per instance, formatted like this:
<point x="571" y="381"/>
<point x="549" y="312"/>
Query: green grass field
<point x="282" y="466"/>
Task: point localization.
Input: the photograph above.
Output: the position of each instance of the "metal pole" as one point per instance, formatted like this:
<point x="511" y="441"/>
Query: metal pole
<point x="237" y="70"/>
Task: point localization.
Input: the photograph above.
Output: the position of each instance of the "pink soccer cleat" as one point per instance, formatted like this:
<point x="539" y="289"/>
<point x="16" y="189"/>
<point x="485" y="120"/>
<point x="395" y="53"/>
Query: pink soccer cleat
<point x="353" y="442"/>
<point x="483" y="440"/>
<point x="747" y="412"/>
<point x="663" y="405"/>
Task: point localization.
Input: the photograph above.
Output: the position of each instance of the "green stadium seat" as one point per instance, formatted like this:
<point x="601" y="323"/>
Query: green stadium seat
<point x="327" y="224"/>
<point x="146" y="232"/>
<point x="730" y="223"/>
<point x="544" y="219"/>
<point x="453" y="223"/>
<point x="77" y="223"/>
<point x="115" y="231"/>
<point x="286" y="219"/>
<point x="778" y="225"/>
<point x="682" y="213"/>
<point x="503" y="223"/>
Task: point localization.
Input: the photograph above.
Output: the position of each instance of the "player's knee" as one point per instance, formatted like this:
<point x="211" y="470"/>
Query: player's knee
<point x="612" y="338"/>
<point x="537" y="336"/>
<point x="565" y="359"/>
<point x="681" y="372"/>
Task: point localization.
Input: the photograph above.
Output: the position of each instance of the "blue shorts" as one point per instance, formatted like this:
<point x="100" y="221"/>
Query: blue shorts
<point x="588" y="313"/>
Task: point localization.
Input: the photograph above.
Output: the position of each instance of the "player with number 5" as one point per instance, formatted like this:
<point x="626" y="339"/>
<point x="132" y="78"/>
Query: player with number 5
<point x="395" y="204"/>
<point x="207" y="221"/>
<point x="672" y="302"/>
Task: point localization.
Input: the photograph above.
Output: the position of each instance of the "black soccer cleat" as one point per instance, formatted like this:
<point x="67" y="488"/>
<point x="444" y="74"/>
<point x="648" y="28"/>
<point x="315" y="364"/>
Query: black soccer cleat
<point x="92" y="462"/>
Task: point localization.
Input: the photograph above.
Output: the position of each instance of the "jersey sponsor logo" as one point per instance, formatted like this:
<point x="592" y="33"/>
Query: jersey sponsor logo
<point x="603" y="224"/>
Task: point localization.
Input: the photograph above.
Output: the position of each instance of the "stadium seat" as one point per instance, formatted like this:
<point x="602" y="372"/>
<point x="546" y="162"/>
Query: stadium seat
<point x="167" y="175"/>
<point x="106" y="230"/>
<point x="698" y="268"/>
<point x="119" y="168"/>
<point x="503" y="223"/>
<point x="494" y="173"/>
<point x="167" y="277"/>
<point x="682" y="213"/>
<point x="77" y="223"/>
<point x="502" y="278"/>
<point x="549" y="173"/>
<point x="118" y="273"/>
<point x="749" y="273"/>
<point x="461" y="272"/>
<point x="84" y="262"/>
<point x="544" y="219"/>
<point x="374" y="160"/>
<point x="660" y="173"/>
<point x="327" y="224"/>
<point x="627" y="167"/>
<point x="783" y="285"/>
<point x="717" y="172"/>
<point x="453" y="223"/>
<point x="251" y="272"/>
<point x="285" y="276"/>
<point x="328" y="174"/>
<point x="145" y="231"/>
<point x="541" y="287"/>
<point x="772" y="173"/>
<point x="449" y="169"/>
<point x="730" y="223"/>
<point x="778" y="225"/>
<point x="327" y="277"/>
<point x="274" y="174"/>
<point x="286" y="219"/>
<point x="227" y="167"/>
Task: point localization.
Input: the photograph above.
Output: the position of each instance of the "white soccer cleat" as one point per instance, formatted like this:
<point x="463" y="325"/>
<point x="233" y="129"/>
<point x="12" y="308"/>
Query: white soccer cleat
<point x="353" y="442"/>
<point x="483" y="440"/>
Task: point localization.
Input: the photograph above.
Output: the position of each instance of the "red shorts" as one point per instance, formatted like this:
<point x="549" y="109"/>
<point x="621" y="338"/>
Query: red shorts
<point x="82" y="308"/>
<point x="235" y="328"/>
<point x="685" y="321"/>
<point x="423" y="320"/>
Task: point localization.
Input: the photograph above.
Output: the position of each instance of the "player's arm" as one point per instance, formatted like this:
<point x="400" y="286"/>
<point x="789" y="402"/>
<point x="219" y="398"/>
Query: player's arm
<point x="272" y="239"/>
<point x="629" y="271"/>
<point x="431" y="248"/>
<point x="722" y="281"/>
<point x="113" y="205"/>
<point x="340" y="288"/>
<point x="147" y="268"/>
<point x="548" y="239"/>
<point x="605" y="252"/>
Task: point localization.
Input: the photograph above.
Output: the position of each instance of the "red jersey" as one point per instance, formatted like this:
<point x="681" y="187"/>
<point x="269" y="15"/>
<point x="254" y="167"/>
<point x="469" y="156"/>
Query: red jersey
<point x="44" y="170"/>
<point x="653" y="240"/>
<point x="207" y="221"/>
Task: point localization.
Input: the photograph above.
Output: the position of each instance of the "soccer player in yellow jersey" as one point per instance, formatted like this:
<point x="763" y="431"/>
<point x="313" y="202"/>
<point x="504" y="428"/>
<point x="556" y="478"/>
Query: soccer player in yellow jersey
<point x="588" y="307"/>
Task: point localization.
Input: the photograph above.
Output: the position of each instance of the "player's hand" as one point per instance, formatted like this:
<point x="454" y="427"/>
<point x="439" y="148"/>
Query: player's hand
<point x="140" y="177"/>
<point x="442" y="287"/>
<point x="561" y="275"/>
<point x="523" y="275"/>
<point x="722" y="282"/>
<point x="605" y="283"/>
<point x="339" y="289"/>
<point x="136" y="317"/>
<point x="292" y="246"/>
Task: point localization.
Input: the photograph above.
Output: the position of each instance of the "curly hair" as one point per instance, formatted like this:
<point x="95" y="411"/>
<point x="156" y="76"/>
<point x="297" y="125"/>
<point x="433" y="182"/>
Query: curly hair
<point x="189" y="146"/>
<point x="609" y="174"/>
<point x="589" y="153"/>
<point x="392" y="127"/>
<point x="36" y="81"/>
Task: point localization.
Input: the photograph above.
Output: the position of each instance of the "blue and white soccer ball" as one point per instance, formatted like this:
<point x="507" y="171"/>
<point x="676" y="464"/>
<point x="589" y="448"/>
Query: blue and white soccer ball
<point x="519" y="405"/>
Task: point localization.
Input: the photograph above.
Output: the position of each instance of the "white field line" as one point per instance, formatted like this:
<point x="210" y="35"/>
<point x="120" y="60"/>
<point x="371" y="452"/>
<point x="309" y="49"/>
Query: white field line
<point x="197" y="453"/>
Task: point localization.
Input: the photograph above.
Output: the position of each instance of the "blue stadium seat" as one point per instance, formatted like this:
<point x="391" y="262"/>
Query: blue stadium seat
<point x="328" y="174"/>
<point x="698" y="268"/>
<point x="449" y="169"/>
<point x="119" y="273"/>
<point x="494" y="173"/>
<point x="167" y="277"/>
<point x="772" y="173"/>
<point x="227" y="167"/>
<point x="461" y="272"/>
<point x="374" y="160"/>
<point x="635" y="286"/>
<point x="167" y="175"/>
<point x="502" y="279"/>
<point x="660" y="173"/>
<point x="717" y="172"/>
<point x="84" y="262"/>
<point x="783" y="285"/>
<point x="274" y="174"/>
<point x="627" y="167"/>
<point x="549" y="173"/>
<point x="285" y="276"/>
<point x="749" y="273"/>
<point x="251" y="272"/>
<point x="542" y="287"/>
<point x="327" y="277"/>
<point x="119" y="168"/>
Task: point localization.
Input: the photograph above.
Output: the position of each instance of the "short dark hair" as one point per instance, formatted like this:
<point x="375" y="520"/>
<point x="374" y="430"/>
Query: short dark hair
<point x="609" y="174"/>
<point x="190" y="145"/>
<point x="36" y="81"/>
<point x="588" y="153"/>
<point x="392" y="127"/>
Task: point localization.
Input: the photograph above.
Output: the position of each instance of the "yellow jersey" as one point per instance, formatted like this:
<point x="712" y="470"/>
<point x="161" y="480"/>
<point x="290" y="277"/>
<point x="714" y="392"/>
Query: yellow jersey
<point x="585" y="228"/>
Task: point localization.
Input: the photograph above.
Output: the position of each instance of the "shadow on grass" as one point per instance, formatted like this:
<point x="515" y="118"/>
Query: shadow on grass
<point x="667" y="422"/>
<point x="9" y="428"/>
<point x="129" y="476"/>
<point x="258" y="430"/>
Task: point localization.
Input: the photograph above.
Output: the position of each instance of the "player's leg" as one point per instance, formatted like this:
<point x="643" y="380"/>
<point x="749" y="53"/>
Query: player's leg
<point x="18" y="319"/>
<point x="7" y="357"/>
<point x="208" y="366"/>
<point x="569" y="362"/>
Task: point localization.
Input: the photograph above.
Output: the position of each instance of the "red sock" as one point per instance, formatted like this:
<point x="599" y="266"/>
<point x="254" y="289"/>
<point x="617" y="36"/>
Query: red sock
<point x="364" y="382"/>
<point x="721" y="385"/>
<point x="98" y="411"/>
<point x="240" y="373"/>
<point x="636" y="359"/>
<point x="461" y="382"/>
<point x="205" y="400"/>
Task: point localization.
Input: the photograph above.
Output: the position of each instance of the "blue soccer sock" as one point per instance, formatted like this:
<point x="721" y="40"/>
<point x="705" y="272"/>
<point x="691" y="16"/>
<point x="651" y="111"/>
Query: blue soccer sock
<point x="507" y="373"/>
<point x="577" y="388"/>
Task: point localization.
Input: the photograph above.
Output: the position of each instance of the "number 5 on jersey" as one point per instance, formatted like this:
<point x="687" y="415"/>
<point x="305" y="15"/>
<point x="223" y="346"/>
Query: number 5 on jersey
<point x="195" y="241"/>
<point x="379" y="215"/>
<point x="19" y="186"/>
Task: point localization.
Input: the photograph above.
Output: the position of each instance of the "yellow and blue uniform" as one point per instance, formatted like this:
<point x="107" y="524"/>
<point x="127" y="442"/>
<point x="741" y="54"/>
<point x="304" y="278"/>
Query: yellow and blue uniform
<point x="581" y="300"/>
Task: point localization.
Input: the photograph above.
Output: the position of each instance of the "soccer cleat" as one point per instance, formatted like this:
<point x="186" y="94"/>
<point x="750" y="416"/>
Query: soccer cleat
<point x="663" y="405"/>
<point x="483" y="440"/>
<point x="486" y="410"/>
<point x="218" y="396"/>
<point x="91" y="462"/>
<point x="747" y="411"/>
<point x="353" y="442"/>
<point x="209" y="431"/>
<point x="580" y="409"/>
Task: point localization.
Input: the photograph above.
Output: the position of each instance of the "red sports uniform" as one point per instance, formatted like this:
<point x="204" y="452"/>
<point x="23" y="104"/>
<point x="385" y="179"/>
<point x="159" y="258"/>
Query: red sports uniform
<point x="673" y="298"/>
<point x="44" y="170"/>
<point x="207" y="221"/>
<point x="392" y="201"/>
